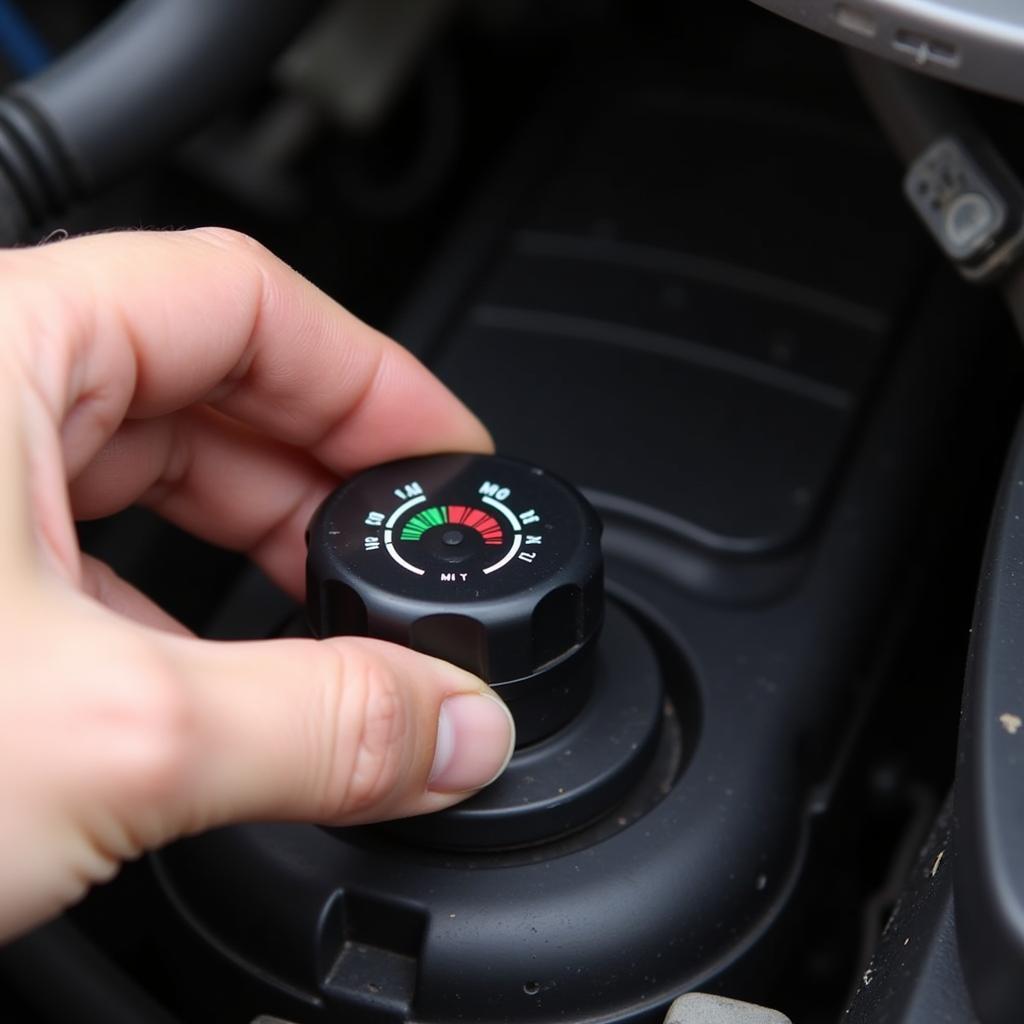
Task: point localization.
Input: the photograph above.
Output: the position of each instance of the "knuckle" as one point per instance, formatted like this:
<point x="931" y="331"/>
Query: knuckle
<point x="40" y="317"/>
<point x="99" y="580"/>
<point x="371" y="724"/>
<point x="147" y="724"/>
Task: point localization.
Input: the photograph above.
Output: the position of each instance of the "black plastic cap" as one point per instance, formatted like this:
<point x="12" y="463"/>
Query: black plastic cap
<point x="487" y="562"/>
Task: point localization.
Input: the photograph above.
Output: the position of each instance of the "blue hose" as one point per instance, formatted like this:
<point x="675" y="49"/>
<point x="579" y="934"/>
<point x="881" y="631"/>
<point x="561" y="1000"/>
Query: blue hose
<point x="23" y="47"/>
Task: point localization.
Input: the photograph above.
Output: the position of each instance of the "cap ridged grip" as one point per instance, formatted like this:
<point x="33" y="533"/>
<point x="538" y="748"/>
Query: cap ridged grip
<point x="488" y="562"/>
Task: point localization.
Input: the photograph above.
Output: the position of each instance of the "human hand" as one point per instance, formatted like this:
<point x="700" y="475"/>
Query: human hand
<point x="196" y="374"/>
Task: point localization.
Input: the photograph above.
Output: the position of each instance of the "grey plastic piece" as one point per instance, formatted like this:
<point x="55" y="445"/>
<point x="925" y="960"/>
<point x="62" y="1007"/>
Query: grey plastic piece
<point x="354" y="59"/>
<point x="955" y="199"/>
<point x="959" y="185"/>
<point x="973" y="220"/>
<point x="701" y="1008"/>
<point x="976" y="43"/>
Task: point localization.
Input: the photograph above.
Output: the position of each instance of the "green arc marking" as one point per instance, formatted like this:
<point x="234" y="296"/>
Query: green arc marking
<point x="423" y="521"/>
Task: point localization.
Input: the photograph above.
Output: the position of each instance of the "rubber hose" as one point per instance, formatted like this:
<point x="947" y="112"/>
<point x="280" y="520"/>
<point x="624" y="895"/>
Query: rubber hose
<point x="150" y="74"/>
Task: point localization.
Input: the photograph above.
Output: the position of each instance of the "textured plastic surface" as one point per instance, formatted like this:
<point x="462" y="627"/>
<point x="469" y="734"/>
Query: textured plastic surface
<point x="915" y="975"/>
<point x="989" y="799"/>
<point x="960" y="959"/>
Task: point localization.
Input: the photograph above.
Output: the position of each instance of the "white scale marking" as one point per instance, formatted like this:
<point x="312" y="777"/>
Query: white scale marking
<point x="517" y="539"/>
<point x="390" y="524"/>
<point x="388" y="534"/>
<point x="397" y="557"/>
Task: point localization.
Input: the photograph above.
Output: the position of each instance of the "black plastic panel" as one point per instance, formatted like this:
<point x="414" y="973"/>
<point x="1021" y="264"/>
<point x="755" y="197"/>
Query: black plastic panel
<point x="697" y="885"/>
<point x="644" y="420"/>
<point x="989" y="796"/>
<point x="698" y="334"/>
<point x="739" y="182"/>
<point x="782" y="334"/>
<point x="748" y="390"/>
<point x="915" y="975"/>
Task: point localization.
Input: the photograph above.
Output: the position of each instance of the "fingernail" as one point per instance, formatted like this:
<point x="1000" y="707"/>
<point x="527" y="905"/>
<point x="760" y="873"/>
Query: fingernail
<point x="475" y="739"/>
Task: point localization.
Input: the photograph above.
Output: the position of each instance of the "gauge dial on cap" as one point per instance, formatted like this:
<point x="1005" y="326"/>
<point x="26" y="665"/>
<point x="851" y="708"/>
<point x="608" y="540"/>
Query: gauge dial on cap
<point x="490" y="562"/>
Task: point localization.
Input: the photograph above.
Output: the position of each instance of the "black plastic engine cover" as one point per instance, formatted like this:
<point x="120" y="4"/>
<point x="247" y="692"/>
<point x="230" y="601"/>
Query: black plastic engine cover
<point x="757" y="437"/>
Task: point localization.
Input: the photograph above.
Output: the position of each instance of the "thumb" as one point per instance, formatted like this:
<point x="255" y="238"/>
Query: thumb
<point x="340" y="731"/>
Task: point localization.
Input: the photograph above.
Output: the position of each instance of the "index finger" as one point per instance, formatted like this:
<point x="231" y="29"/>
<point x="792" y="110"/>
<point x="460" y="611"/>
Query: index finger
<point x="149" y="323"/>
<point x="142" y="325"/>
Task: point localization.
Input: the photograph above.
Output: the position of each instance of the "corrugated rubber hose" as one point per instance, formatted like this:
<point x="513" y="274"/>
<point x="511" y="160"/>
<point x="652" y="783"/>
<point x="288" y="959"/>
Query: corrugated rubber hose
<point x="150" y="74"/>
